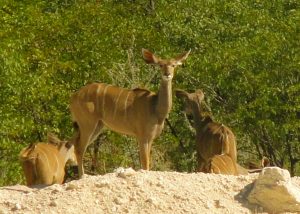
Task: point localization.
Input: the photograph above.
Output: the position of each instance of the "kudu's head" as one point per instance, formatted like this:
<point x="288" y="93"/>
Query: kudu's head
<point x="167" y="65"/>
<point x="65" y="148"/>
<point x="192" y="101"/>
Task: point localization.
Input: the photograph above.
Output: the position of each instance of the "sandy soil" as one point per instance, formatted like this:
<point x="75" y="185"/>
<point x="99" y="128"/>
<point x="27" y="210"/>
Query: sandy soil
<point x="129" y="191"/>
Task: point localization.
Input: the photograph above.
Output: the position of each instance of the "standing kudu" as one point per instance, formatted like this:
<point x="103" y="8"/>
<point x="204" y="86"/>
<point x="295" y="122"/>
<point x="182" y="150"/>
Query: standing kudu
<point x="212" y="138"/>
<point x="44" y="163"/>
<point x="138" y="112"/>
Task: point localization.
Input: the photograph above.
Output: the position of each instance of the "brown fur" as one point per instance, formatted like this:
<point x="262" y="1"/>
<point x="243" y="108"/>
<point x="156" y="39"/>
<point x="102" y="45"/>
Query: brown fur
<point x="44" y="163"/>
<point x="221" y="164"/>
<point x="265" y="162"/>
<point x="212" y="138"/>
<point x="139" y="112"/>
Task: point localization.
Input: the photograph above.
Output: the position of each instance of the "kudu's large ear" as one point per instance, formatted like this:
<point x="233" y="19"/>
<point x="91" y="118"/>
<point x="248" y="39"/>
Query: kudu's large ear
<point x="181" y="93"/>
<point x="53" y="139"/>
<point x="199" y="93"/>
<point x="180" y="58"/>
<point x="265" y="162"/>
<point x="149" y="57"/>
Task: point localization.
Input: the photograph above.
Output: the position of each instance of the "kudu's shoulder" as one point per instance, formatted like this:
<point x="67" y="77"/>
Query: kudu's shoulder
<point x="219" y="127"/>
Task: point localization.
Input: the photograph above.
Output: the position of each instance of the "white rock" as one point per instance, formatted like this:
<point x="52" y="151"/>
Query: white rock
<point x="274" y="191"/>
<point x="119" y="170"/>
<point x="126" y="172"/>
<point x="133" y="198"/>
<point x="126" y="210"/>
<point x="119" y="201"/>
<point x="103" y="183"/>
<point x="138" y="183"/>
<point x="2" y="211"/>
<point x="53" y="204"/>
<point x="208" y="205"/>
<point x="114" y="209"/>
<point x="219" y="204"/>
<point x="150" y="200"/>
<point x="17" y="207"/>
<point x="160" y="184"/>
<point x="72" y="187"/>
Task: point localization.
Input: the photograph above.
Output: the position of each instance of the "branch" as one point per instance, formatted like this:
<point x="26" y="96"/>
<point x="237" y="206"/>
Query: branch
<point x="173" y="131"/>
<point x="151" y="4"/>
<point x="191" y="128"/>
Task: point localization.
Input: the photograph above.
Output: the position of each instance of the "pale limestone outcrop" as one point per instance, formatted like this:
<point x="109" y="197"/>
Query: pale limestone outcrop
<point x="274" y="191"/>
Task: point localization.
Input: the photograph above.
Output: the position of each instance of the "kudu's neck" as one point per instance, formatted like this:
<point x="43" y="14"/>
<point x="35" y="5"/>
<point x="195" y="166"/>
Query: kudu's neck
<point x="200" y="120"/>
<point x="164" y="99"/>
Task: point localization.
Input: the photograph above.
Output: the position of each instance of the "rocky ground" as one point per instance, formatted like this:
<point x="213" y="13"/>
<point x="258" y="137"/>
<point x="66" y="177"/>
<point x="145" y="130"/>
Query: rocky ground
<point x="129" y="191"/>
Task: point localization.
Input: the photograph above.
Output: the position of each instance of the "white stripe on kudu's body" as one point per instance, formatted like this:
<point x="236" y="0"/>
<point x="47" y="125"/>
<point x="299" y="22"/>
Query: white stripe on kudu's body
<point x="97" y="94"/>
<point x="138" y="112"/>
<point x="103" y="100"/>
<point x="125" y="106"/>
<point x="117" y="103"/>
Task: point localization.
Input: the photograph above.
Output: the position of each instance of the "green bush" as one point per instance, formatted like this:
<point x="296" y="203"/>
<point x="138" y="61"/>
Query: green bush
<point x="245" y="56"/>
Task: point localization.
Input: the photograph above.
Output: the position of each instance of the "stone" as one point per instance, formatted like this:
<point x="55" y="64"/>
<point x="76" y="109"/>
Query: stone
<point x="103" y="183"/>
<point x="53" y="204"/>
<point x="72" y="187"/>
<point x="274" y="191"/>
<point x="17" y="207"/>
<point x="126" y="172"/>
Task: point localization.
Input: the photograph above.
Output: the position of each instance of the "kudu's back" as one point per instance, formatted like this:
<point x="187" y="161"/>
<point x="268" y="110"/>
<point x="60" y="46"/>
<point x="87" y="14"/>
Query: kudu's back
<point x="42" y="164"/>
<point x="114" y="106"/>
<point x="216" y="139"/>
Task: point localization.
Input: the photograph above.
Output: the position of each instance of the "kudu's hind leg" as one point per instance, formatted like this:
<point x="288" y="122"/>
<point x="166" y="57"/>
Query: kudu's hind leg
<point x="149" y="154"/>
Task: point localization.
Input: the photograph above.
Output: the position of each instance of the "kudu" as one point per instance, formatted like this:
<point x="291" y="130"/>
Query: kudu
<point x="253" y="167"/>
<point x="44" y="163"/>
<point x="212" y="138"/>
<point x="221" y="164"/>
<point x="139" y="112"/>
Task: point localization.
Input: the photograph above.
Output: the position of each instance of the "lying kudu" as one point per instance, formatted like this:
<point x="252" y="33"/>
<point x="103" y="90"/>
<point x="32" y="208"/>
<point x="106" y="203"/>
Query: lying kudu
<point x="252" y="167"/>
<point x="221" y="164"/>
<point x="212" y="138"/>
<point x="139" y="112"/>
<point x="44" y="163"/>
<point x="263" y="163"/>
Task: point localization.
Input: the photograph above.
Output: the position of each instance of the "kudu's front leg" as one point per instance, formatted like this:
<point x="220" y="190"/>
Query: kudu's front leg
<point x="145" y="147"/>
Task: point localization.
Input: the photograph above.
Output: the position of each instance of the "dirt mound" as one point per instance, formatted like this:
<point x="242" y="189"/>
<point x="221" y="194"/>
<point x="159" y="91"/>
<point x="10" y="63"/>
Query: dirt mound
<point x="129" y="191"/>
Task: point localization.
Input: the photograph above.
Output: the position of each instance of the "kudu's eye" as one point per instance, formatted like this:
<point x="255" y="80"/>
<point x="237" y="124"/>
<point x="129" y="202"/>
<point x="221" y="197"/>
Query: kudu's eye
<point x="68" y="145"/>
